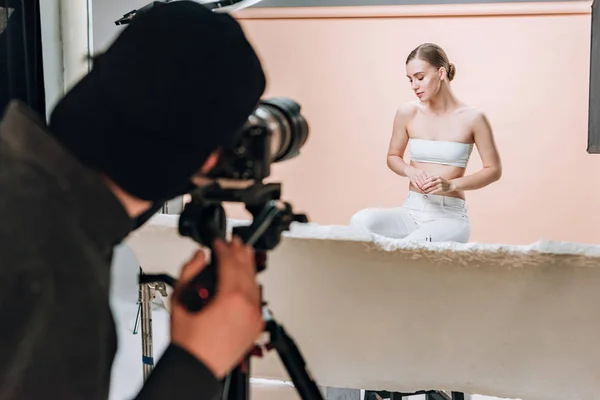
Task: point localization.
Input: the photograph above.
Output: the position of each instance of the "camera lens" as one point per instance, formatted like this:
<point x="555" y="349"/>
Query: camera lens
<point x="287" y="127"/>
<point x="274" y="132"/>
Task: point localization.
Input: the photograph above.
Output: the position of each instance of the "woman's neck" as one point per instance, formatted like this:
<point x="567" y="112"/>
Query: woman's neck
<point x="444" y="101"/>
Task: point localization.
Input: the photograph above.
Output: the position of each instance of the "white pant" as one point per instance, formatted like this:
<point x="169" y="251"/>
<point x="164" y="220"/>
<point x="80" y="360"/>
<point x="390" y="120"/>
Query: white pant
<point x="422" y="217"/>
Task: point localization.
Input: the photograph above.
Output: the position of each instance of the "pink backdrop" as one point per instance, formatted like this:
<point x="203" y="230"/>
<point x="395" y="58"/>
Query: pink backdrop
<point x="525" y="65"/>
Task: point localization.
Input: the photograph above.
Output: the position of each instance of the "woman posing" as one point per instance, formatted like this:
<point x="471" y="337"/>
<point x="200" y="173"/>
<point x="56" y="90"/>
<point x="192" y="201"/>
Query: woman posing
<point x="440" y="131"/>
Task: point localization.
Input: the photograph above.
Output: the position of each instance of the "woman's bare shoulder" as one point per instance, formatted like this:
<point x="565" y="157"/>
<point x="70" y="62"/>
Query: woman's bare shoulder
<point x="408" y="109"/>
<point x="474" y="115"/>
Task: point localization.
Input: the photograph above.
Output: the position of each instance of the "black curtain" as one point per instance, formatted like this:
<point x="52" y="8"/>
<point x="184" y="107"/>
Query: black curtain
<point x="21" y="67"/>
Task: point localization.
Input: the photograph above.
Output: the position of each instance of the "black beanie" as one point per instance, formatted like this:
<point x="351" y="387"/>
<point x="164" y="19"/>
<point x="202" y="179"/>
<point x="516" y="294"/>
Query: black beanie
<point x="178" y="83"/>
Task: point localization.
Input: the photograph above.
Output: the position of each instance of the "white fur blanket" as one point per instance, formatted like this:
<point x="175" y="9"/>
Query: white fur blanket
<point x="372" y="313"/>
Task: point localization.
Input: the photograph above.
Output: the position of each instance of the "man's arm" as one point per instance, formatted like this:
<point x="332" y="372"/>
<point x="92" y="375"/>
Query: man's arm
<point x="54" y="308"/>
<point x="206" y="345"/>
<point x="180" y="375"/>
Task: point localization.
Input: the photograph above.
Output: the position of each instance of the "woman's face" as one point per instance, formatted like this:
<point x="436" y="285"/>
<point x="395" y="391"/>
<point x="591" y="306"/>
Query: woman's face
<point x="425" y="80"/>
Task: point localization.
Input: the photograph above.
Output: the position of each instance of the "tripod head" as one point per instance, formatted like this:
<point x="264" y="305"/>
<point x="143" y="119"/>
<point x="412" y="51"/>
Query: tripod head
<point x="203" y="220"/>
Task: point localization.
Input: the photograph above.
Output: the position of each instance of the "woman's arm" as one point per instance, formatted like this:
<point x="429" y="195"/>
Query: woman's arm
<point x="397" y="147"/>
<point x="398" y="142"/>
<point x="492" y="165"/>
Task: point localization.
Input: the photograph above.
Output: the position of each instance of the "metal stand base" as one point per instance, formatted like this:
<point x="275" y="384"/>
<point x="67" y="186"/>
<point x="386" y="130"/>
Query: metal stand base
<point x="147" y="293"/>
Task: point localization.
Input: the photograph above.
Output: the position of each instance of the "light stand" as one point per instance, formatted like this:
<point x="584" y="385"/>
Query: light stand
<point x="147" y="293"/>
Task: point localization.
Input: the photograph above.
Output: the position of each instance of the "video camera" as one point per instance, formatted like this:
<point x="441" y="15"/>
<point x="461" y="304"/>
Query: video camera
<point x="275" y="131"/>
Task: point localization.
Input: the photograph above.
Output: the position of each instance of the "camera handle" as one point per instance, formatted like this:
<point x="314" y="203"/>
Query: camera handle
<point x="201" y="289"/>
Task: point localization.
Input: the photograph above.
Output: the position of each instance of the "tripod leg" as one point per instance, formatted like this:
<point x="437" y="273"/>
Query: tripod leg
<point x="293" y="361"/>
<point x="437" y="395"/>
<point x="237" y="383"/>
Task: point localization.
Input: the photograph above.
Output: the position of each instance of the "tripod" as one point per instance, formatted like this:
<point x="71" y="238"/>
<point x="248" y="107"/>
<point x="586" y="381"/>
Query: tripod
<point x="264" y="233"/>
<point x="236" y="385"/>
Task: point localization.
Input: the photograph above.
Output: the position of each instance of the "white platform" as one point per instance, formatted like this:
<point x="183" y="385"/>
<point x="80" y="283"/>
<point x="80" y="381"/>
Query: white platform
<point x="506" y="321"/>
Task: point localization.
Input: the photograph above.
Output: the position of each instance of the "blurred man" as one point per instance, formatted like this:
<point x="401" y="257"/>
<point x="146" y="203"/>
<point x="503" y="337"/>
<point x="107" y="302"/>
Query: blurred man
<point x="174" y="88"/>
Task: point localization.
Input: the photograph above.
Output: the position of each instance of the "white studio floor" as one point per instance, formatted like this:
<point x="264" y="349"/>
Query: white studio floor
<point x="127" y="377"/>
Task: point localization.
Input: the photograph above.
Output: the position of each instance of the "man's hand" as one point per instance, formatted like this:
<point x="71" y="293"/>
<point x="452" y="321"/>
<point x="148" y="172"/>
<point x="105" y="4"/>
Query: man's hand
<point x="223" y="332"/>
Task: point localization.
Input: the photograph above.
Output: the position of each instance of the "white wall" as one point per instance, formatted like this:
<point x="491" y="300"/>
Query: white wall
<point x="75" y="20"/>
<point x="106" y="12"/>
<point x="52" y="51"/>
<point x="104" y="15"/>
<point x="66" y="40"/>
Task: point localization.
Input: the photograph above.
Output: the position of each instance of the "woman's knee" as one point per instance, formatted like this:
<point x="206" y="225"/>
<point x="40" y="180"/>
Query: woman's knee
<point x="364" y="218"/>
<point x="461" y="231"/>
<point x="464" y="234"/>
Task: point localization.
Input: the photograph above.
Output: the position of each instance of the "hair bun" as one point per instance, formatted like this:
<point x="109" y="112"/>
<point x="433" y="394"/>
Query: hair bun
<point x="451" y="71"/>
<point x="435" y="56"/>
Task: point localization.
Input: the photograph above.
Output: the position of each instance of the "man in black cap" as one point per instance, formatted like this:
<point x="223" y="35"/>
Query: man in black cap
<point x="174" y="88"/>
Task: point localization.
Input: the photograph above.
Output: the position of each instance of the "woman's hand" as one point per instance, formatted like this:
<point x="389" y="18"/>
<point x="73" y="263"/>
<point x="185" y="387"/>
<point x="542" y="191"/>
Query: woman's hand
<point x="417" y="177"/>
<point x="438" y="185"/>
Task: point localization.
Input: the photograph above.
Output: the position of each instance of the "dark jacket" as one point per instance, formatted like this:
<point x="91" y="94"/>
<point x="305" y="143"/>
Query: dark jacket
<point x="58" y="225"/>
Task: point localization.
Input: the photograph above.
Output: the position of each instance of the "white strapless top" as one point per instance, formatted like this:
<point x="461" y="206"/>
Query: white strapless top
<point x="440" y="152"/>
